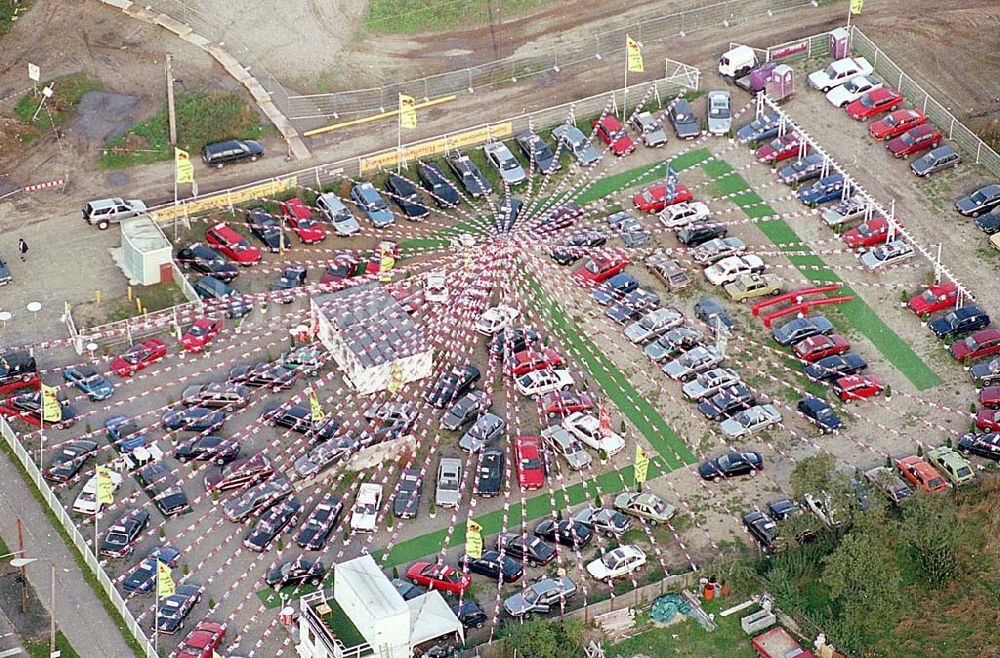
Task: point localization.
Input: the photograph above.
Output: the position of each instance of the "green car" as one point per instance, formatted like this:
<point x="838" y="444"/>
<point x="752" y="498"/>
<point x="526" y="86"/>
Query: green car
<point x="644" y="505"/>
<point x="750" y="286"/>
<point x="952" y="465"/>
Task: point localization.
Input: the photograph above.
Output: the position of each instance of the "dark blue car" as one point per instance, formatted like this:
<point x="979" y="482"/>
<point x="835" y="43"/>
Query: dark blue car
<point x="711" y="313"/>
<point x="124" y="434"/>
<point x="614" y="288"/>
<point x="822" y="191"/>
<point x="960" y="321"/>
<point x="86" y="378"/>
<point x="142" y="578"/>
<point x="762" y="128"/>
<point x="490" y="564"/>
<point x="194" y="419"/>
<point x="820" y="414"/>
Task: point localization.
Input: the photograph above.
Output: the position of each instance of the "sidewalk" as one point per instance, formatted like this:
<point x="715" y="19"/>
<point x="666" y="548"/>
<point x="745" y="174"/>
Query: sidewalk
<point x="79" y="612"/>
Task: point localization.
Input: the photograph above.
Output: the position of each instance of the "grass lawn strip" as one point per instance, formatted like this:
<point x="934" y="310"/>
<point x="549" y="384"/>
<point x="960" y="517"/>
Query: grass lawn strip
<point x="861" y="316"/>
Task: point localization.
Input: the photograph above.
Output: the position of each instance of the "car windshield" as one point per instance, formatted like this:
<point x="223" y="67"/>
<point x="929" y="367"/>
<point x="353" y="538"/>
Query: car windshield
<point x="963" y="472"/>
<point x="935" y="483"/>
<point x="198" y="331"/>
<point x="117" y="538"/>
<point x="908" y="139"/>
<point x="868" y="101"/>
<point x="865" y="230"/>
<point x="979" y="197"/>
<point x="724" y="459"/>
<point x="660" y="507"/>
<point x="509" y="164"/>
<point x="775" y="144"/>
<point x="530" y="464"/>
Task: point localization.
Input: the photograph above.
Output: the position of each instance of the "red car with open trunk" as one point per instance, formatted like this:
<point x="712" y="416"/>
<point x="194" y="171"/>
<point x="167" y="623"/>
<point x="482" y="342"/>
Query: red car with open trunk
<point x="598" y="269"/>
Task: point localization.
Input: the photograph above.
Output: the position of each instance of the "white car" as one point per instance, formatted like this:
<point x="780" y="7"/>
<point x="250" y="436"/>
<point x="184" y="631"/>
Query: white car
<point x="587" y="428"/>
<point x="731" y="268"/>
<point x="720" y="112"/>
<point x="852" y="90"/>
<point x="365" y="512"/>
<point x="718" y="248"/>
<point x="436" y="287"/>
<point x="540" y="382"/>
<point x="695" y="360"/>
<point x="622" y="561"/>
<point x="449" y="482"/>
<point x="822" y="506"/>
<point x="683" y="213"/>
<point x="750" y="421"/>
<point x="560" y="441"/>
<point x="839" y="72"/>
<point x="86" y="502"/>
<point x="501" y="159"/>
<point x="845" y="211"/>
<point x="709" y="383"/>
<point x="496" y="319"/>
<point x="656" y="322"/>
<point x="886" y="254"/>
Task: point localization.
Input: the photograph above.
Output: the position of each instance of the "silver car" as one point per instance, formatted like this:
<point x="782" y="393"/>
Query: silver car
<point x="540" y="596"/>
<point x="695" y="360"/>
<point x="650" y="129"/>
<point x="572" y="138"/>
<point x="501" y="159"/>
<point x="449" y="481"/>
<point x="565" y="444"/>
<point x="886" y="254"/>
<point x="720" y="113"/>
<point x="488" y="428"/>
<point x="344" y="223"/>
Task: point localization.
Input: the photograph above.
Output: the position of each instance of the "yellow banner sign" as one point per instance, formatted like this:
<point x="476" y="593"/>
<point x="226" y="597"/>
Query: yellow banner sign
<point x="51" y="409"/>
<point x="315" y="409"/>
<point x="634" y="55"/>
<point x="438" y="146"/>
<point x="407" y="111"/>
<point x="164" y="580"/>
<point x="857" y="6"/>
<point x="105" y="486"/>
<point x="641" y="464"/>
<point x="224" y="199"/>
<point x="185" y="168"/>
<point x="473" y="539"/>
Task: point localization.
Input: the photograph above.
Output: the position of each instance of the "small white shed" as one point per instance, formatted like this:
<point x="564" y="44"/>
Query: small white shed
<point x="145" y="254"/>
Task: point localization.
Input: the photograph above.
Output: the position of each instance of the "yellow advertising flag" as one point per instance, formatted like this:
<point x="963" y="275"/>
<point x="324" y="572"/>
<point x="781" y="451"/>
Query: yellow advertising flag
<point x="51" y="409"/>
<point x="185" y="168"/>
<point x="473" y="539"/>
<point x="641" y="464"/>
<point x="386" y="262"/>
<point x="634" y="55"/>
<point x="857" y="6"/>
<point x="105" y="486"/>
<point x="407" y="111"/>
<point x="317" y="411"/>
<point x="395" y="378"/>
<point x="164" y="580"/>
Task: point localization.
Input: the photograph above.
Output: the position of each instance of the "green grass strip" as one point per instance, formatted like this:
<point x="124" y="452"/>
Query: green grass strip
<point x="861" y="316"/>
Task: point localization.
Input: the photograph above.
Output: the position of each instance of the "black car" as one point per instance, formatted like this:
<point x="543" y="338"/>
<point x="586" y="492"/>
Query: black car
<point x="986" y="373"/>
<point x="5" y="275"/>
<point x="17" y="366"/>
<point x="271" y="375"/>
<point x="960" y="321"/>
<point x="682" y="118"/>
<point x="819" y="413"/>
<point x="800" y="329"/>
<point x="407" y="499"/>
<point x="513" y="340"/>
<point x="731" y="464"/>
<point x="440" y="188"/>
<point x="728" y="402"/>
<point x="194" y="419"/>
<point x="566" y="532"/>
<point x="489" y="473"/>
<point x="536" y="150"/>
<point x="166" y="492"/>
<point x="70" y="460"/>
<point x="990" y="222"/>
<point x="832" y="368"/>
<point x="469" y="175"/>
<point x="123" y="533"/>
<point x="452" y="384"/>
<point x="407" y="589"/>
<point x="205" y="260"/>
<point x="574" y="247"/>
<point x="701" y="232"/>
<point x="173" y="611"/>
<point x="527" y="548"/>
<point x="711" y="313"/>
<point x="299" y="570"/>
<point x="491" y="564"/>
<point x="981" y="201"/>
<point x="256" y="499"/>
<point x="230" y="151"/>
<point x="320" y="523"/>
<point x="222" y="297"/>
<point x="405" y="195"/>
<point x="207" y="448"/>
<point x="985" y="445"/>
<point x="783" y="509"/>
<point x="470" y="613"/>
<point x="272" y="524"/>
<point x="267" y="229"/>
<point x="466" y="409"/>
<point x="507" y="214"/>
<point x="292" y="276"/>
<point x="762" y="528"/>
<point x="293" y="417"/>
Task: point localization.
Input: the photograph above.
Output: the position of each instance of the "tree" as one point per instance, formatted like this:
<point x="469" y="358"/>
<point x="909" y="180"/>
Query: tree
<point x="544" y="638"/>
<point x="812" y="474"/>
<point x="932" y="530"/>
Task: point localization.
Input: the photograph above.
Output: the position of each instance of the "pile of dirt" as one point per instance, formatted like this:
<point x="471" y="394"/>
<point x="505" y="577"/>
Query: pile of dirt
<point x="10" y="135"/>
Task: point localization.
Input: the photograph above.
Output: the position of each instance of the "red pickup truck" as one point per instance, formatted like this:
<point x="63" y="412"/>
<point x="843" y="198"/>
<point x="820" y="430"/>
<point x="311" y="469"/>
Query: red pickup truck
<point x="777" y="643"/>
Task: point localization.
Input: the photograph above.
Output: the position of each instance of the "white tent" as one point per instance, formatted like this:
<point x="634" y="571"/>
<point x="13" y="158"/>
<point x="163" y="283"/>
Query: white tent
<point x="431" y="617"/>
<point x="373" y="605"/>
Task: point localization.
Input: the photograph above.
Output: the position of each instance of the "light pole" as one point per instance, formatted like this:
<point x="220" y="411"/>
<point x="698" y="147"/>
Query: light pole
<point x="20" y="562"/>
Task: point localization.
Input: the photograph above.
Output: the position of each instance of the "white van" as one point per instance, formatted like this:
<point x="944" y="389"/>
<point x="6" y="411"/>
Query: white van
<point x="737" y="62"/>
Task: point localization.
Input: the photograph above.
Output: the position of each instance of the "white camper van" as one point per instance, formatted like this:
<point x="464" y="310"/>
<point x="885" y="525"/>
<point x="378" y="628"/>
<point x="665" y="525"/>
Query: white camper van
<point x="737" y="62"/>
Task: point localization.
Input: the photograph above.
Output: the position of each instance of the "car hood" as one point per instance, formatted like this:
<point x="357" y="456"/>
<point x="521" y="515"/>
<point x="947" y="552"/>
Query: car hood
<point x="516" y="605"/>
<point x="966" y="204"/>
<point x="730" y="427"/>
<point x="675" y="368"/>
<point x="347" y="225"/>
<point x="719" y="124"/>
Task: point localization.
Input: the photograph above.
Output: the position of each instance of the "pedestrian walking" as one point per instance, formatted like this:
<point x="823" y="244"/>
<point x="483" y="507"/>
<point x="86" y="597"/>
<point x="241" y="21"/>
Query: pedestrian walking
<point x="22" y="247"/>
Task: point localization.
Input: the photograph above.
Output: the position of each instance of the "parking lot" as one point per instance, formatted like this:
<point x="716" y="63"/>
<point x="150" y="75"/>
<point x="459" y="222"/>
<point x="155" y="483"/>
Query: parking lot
<point x="928" y="402"/>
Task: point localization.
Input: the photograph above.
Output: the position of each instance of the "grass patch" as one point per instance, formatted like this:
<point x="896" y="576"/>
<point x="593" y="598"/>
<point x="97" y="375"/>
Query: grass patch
<point x="202" y="118"/>
<point x="409" y="16"/>
<point x="41" y="649"/>
<point x="728" y="641"/>
<point x="67" y="91"/>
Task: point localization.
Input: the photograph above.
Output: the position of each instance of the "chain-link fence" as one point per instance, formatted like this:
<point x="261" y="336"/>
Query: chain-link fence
<point x="967" y="141"/>
<point x="566" y="52"/>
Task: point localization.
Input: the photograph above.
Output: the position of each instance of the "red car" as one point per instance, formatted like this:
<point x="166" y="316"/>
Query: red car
<point x="609" y="129"/>
<point x="597" y="269"/>
<point x="874" y="102"/>
<point x="856" y="387"/>
<point x="989" y="397"/>
<point x="988" y="420"/>
<point x="565" y="402"/>
<point x="921" y="474"/>
<point x="914" y="140"/>
<point x="374" y="263"/>
<point x="232" y="244"/>
<point x="818" y="347"/>
<point x="203" y="640"/>
<point x="896" y="124"/>
<point x="529" y="360"/>
<point x="300" y="218"/>
<point x="779" y="148"/>
<point x="528" y="459"/>
<point x="980" y="344"/>
<point x="342" y="267"/>
<point x="873" y="232"/>
<point x="200" y="334"/>
<point x="936" y="298"/>
<point x="438" y="576"/>
<point x="654" y="197"/>
<point x="138" y="357"/>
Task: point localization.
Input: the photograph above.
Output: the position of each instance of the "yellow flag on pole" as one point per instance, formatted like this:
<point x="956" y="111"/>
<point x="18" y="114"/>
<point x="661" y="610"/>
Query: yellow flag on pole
<point x="386" y="262"/>
<point x="185" y="168"/>
<point x="857" y="6"/>
<point x="473" y="539"/>
<point x="641" y="464"/>
<point x="634" y="55"/>
<point x="51" y="409"/>
<point x="395" y="377"/>
<point x="317" y="411"/>
<point x="407" y="111"/>
<point x="164" y="580"/>
<point x="105" y="486"/>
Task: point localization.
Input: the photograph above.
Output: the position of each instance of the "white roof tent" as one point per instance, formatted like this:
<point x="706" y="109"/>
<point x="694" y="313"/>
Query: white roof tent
<point x="145" y="254"/>
<point x="371" y="337"/>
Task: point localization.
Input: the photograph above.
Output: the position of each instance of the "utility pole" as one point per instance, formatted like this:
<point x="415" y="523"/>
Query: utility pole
<point x="24" y="575"/>
<point x="171" y="117"/>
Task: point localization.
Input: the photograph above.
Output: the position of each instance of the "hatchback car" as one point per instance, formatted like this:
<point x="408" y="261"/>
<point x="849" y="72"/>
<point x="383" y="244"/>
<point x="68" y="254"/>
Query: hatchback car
<point x="538" y="153"/>
<point x="982" y="200"/>
<point x="573" y="139"/>
<point x="613" y="133"/>
<point x="681" y="116"/>
<point x="939" y="159"/>
<point x="649" y="128"/>
<point x="370" y="202"/>
<point x="338" y="214"/>
<point x="915" y="140"/>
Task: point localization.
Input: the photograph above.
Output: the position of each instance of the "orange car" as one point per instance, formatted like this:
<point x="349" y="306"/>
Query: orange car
<point x="921" y="474"/>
